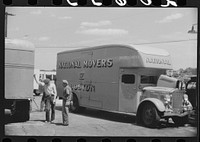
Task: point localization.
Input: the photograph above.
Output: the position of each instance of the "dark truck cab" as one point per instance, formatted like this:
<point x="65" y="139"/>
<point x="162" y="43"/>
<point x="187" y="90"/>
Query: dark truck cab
<point x="191" y="91"/>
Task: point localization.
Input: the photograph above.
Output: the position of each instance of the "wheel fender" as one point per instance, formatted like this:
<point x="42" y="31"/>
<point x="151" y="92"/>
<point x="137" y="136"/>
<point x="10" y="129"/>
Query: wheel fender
<point x="158" y="103"/>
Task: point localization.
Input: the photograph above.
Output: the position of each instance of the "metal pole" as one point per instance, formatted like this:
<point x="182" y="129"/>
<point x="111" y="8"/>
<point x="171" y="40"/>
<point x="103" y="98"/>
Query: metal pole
<point x="192" y="31"/>
<point x="6" y="21"/>
<point x="6" y="18"/>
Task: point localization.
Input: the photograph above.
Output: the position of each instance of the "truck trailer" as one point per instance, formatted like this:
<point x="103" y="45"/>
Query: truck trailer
<point x="19" y="69"/>
<point x="125" y="79"/>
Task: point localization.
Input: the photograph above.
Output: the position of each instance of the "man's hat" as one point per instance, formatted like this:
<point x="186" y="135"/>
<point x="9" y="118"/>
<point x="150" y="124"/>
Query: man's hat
<point x="46" y="81"/>
<point x="65" y="81"/>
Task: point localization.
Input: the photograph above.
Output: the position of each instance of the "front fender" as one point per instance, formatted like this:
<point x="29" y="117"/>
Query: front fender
<point x="158" y="103"/>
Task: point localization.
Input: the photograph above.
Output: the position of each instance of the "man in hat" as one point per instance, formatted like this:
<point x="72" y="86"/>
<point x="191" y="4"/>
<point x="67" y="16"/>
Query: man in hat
<point x="67" y="97"/>
<point x="49" y="97"/>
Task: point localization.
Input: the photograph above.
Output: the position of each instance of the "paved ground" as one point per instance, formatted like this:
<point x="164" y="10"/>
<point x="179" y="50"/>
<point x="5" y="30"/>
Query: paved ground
<point x="92" y="123"/>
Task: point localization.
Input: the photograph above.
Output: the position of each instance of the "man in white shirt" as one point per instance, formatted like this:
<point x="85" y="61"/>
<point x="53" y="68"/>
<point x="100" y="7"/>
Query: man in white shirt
<point x="49" y="97"/>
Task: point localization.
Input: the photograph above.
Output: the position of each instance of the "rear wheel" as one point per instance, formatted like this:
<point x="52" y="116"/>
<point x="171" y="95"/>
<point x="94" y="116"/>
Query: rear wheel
<point x="75" y="106"/>
<point x="21" y="110"/>
<point x="150" y="116"/>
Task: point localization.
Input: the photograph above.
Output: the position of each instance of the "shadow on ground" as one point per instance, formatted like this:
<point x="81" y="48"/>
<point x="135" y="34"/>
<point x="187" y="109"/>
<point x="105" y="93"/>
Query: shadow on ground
<point x="118" y="117"/>
<point x="124" y="118"/>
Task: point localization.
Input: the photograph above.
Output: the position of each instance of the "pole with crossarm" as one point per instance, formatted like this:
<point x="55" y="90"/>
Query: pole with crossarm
<point x="6" y="21"/>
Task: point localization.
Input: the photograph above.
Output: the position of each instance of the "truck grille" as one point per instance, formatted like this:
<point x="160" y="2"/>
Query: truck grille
<point x="177" y="98"/>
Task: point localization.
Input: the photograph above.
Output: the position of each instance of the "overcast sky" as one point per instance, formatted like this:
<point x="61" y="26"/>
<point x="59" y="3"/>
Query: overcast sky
<point x="56" y="29"/>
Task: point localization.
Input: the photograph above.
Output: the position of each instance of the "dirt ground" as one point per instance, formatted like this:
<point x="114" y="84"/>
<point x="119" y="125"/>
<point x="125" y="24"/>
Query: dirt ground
<point x="91" y="123"/>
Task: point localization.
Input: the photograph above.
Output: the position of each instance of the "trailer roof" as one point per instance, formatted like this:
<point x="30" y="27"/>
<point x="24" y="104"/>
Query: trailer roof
<point x="150" y="50"/>
<point x="139" y="48"/>
<point x="143" y="56"/>
<point x="18" y="44"/>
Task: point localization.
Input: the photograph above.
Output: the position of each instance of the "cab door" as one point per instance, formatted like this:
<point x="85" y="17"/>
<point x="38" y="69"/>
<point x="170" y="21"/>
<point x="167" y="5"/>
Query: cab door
<point x="128" y="84"/>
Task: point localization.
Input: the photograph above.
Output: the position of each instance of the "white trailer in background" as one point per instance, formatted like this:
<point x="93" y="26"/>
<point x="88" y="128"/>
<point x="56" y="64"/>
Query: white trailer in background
<point x="122" y="78"/>
<point x="19" y="69"/>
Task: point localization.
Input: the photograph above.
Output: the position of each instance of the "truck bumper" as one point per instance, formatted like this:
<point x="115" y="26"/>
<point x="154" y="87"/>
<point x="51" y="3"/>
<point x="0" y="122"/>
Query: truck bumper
<point x="171" y="114"/>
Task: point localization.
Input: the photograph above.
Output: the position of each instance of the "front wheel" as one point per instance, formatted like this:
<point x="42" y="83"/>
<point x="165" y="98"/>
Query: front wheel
<point x="150" y="116"/>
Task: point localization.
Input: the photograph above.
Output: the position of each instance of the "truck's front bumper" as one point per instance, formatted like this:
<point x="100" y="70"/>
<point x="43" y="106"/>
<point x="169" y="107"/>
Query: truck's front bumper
<point x="171" y="114"/>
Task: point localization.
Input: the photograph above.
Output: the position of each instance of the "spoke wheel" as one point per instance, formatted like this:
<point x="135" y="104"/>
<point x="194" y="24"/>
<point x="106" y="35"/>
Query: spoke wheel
<point x="150" y="117"/>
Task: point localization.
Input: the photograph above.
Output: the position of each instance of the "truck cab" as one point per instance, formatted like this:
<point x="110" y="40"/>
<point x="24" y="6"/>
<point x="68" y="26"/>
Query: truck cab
<point x="165" y="100"/>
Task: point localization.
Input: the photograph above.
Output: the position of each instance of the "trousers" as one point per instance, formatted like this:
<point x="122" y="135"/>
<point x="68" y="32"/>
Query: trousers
<point x="42" y="103"/>
<point x="65" y="112"/>
<point x="49" y="107"/>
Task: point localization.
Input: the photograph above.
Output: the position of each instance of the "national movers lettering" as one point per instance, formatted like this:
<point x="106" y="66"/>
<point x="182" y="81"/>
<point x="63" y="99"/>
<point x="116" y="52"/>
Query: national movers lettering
<point x="99" y="63"/>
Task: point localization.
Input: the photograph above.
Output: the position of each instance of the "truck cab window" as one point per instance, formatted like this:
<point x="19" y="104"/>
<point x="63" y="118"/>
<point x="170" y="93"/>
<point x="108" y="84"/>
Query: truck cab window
<point x="148" y="79"/>
<point x="191" y="85"/>
<point x="128" y="78"/>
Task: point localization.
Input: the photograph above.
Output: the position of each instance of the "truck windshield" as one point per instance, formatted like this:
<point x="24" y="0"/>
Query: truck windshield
<point x="148" y="79"/>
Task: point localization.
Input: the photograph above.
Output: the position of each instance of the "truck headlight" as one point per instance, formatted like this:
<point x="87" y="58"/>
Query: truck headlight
<point x="168" y="102"/>
<point x="167" y="98"/>
<point x="186" y="103"/>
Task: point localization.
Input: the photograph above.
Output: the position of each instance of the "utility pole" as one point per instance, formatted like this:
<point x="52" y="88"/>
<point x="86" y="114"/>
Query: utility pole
<point x="6" y="21"/>
<point x="192" y="31"/>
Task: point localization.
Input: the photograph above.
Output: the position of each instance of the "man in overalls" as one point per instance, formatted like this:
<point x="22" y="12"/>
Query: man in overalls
<point x="67" y="96"/>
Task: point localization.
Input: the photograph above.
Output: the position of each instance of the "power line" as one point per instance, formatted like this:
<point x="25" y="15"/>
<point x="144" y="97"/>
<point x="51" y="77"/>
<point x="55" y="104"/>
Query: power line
<point x="184" y="40"/>
<point x="165" y="41"/>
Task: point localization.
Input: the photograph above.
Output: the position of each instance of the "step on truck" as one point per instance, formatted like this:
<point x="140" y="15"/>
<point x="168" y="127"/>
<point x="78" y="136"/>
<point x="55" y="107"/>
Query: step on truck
<point x="123" y="78"/>
<point x="19" y="69"/>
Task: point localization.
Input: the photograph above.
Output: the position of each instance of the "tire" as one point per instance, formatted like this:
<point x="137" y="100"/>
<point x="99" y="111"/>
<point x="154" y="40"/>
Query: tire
<point x="150" y="117"/>
<point x="180" y="121"/>
<point x="75" y="106"/>
<point x="21" y="111"/>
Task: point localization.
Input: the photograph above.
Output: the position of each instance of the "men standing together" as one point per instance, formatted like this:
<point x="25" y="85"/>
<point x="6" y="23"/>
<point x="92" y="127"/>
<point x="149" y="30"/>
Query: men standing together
<point x="49" y="98"/>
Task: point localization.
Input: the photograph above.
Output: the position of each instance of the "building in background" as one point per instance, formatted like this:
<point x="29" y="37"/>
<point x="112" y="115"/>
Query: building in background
<point x="41" y="75"/>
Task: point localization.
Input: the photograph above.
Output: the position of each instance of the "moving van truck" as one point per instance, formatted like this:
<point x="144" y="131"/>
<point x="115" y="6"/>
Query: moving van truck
<point x="122" y="78"/>
<point x="19" y="68"/>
